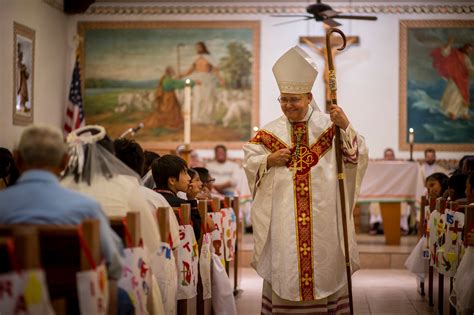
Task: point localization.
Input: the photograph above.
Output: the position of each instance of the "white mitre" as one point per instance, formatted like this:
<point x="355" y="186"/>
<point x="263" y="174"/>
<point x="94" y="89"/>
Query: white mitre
<point x="295" y="72"/>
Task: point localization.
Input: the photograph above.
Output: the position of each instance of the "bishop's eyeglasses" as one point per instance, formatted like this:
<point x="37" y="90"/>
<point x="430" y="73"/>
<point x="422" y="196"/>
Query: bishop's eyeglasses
<point x="289" y="100"/>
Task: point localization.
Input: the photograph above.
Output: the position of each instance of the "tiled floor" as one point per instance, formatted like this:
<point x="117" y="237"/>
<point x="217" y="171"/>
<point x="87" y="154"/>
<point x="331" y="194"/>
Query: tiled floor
<point x="375" y="292"/>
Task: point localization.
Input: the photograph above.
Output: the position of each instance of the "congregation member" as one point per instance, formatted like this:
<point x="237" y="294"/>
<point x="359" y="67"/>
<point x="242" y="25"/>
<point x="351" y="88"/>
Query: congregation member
<point x="430" y="166"/>
<point x="147" y="176"/>
<point x="224" y="171"/>
<point x="95" y="171"/>
<point x="8" y="170"/>
<point x="132" y="154"/>
<point x="296" y="216"/>
<point x="195" y="186"/>
<point x="436" y="185"/>
<point x="170" y="173"/>
<point x="207" y="180"/>
<point x="457" y="188"/>
<point x="38" y="198"/>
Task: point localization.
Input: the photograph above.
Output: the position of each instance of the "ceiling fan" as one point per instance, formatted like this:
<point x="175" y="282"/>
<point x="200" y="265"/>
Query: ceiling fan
<point x="324" y="13"/>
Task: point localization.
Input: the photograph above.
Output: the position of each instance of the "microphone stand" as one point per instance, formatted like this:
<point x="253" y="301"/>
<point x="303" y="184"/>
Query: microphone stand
<point x="126" y="132"/>
<point x="132" y="131"/>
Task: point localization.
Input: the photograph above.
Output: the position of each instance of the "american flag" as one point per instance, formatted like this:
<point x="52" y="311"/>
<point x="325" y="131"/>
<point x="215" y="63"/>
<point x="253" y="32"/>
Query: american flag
<point x="75" y="109"/>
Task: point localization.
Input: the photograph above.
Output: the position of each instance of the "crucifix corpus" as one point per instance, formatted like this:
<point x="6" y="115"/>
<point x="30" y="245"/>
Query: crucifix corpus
<point x="318" y="45"/>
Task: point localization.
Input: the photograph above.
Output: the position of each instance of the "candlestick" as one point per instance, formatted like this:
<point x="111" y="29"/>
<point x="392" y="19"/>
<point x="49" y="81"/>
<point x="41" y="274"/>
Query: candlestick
<point x="187" y="112"/>
<point x="411" y="140"/>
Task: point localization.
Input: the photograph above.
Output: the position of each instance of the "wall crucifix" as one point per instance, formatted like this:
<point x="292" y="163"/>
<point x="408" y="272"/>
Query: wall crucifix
<point x="318" y="45"/>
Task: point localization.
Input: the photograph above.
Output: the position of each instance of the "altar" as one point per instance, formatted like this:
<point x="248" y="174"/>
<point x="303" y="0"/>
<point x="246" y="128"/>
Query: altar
<point x="391" y="183"/>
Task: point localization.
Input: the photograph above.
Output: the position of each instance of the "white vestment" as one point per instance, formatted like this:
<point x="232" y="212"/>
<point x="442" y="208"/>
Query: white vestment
<point x="117" y="196"/>
<point x="296" y="216"/>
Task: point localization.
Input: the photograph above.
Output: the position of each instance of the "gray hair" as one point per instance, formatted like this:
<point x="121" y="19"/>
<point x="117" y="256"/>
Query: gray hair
<point x="42" y="146"/>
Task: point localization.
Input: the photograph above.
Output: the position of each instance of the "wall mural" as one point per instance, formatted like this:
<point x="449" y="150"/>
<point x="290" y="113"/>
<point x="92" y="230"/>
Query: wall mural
<point x="134" y="73"/>
<point x="436" y="89"/>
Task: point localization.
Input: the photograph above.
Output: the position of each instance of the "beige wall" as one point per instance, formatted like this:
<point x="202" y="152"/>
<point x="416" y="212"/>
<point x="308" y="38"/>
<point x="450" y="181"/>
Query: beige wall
<point x="51" y="63"/>
<point x="368" y="73"/>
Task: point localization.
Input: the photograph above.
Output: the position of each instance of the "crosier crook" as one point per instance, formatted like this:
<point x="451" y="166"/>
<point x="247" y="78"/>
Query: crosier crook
<point x="340" y="171"/>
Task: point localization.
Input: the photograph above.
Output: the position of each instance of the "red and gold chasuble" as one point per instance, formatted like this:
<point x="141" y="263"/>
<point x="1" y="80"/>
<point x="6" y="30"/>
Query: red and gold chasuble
<point x="304" y="157"/>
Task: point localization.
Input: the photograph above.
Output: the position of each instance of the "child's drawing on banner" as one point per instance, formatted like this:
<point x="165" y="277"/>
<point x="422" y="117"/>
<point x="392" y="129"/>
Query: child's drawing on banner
<point x="163" y="265"/>
<point x="93" y="291"/>
<point x="230" y="232"/>
<point x="24" y="292"/>
<point x="136" y="278"/>
<point x="449" y="261"/>
<point x="205" y="266"/>
<point x="187" y="263"/>
<point x="435" y="235"/>
<point x="218" y="236"/>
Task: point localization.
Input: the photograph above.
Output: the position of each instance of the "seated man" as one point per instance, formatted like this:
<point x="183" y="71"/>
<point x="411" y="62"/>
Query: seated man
<point x="224" y="171"/>
<point x="171" y="176"/>
<point x="37" y="197"/>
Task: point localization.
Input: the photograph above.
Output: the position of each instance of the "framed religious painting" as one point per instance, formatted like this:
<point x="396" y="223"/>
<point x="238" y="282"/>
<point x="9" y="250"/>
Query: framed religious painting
<point x="436" y="86"/>
<point x="23" y="74"/>
<point x="134" y="75"/>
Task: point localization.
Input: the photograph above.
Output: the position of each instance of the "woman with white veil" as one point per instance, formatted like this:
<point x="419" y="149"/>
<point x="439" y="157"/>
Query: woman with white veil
<point x="95" y="171"/>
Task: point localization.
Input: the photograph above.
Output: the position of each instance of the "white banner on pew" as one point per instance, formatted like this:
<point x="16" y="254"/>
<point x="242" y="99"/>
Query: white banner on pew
<point x="24" y="292"/>
<point x="93" y="291"/>
<point x="187" y="263"/>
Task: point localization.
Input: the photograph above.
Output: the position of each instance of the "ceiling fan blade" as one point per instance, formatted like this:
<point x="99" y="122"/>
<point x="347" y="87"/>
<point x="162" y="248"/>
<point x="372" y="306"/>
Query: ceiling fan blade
<point x="288" y="22"/>
<point x="331" y="23"/>
<point x="291" y="15"/>
<point x="357" y="17"/>
<point x="328" y="13"/>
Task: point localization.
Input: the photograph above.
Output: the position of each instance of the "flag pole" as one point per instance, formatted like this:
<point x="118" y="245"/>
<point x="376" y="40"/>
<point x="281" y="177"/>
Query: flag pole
<point x="340" y="171"/>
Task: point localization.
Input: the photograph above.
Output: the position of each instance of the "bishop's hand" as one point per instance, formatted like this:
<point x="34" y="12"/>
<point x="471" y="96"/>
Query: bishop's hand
<point x="279" y="158"/>
<point x="338" y="117"/>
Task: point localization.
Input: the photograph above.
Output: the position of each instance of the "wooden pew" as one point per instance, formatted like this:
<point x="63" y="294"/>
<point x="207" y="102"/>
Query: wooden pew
<point x="441" y="206"/>
<point x="163" y="217"/>
<point x="183" y="214"/>
<point x="25" y="246"/>
<point x="127" y="228"/>
<point x="238" y="243"/>
<point x="57" y="249"/>
<point x="226" y="203"/>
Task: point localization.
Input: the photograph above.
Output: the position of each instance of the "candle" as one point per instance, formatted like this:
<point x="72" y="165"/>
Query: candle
<point x="187" y="112"/>
<point x="411" y="136"/>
